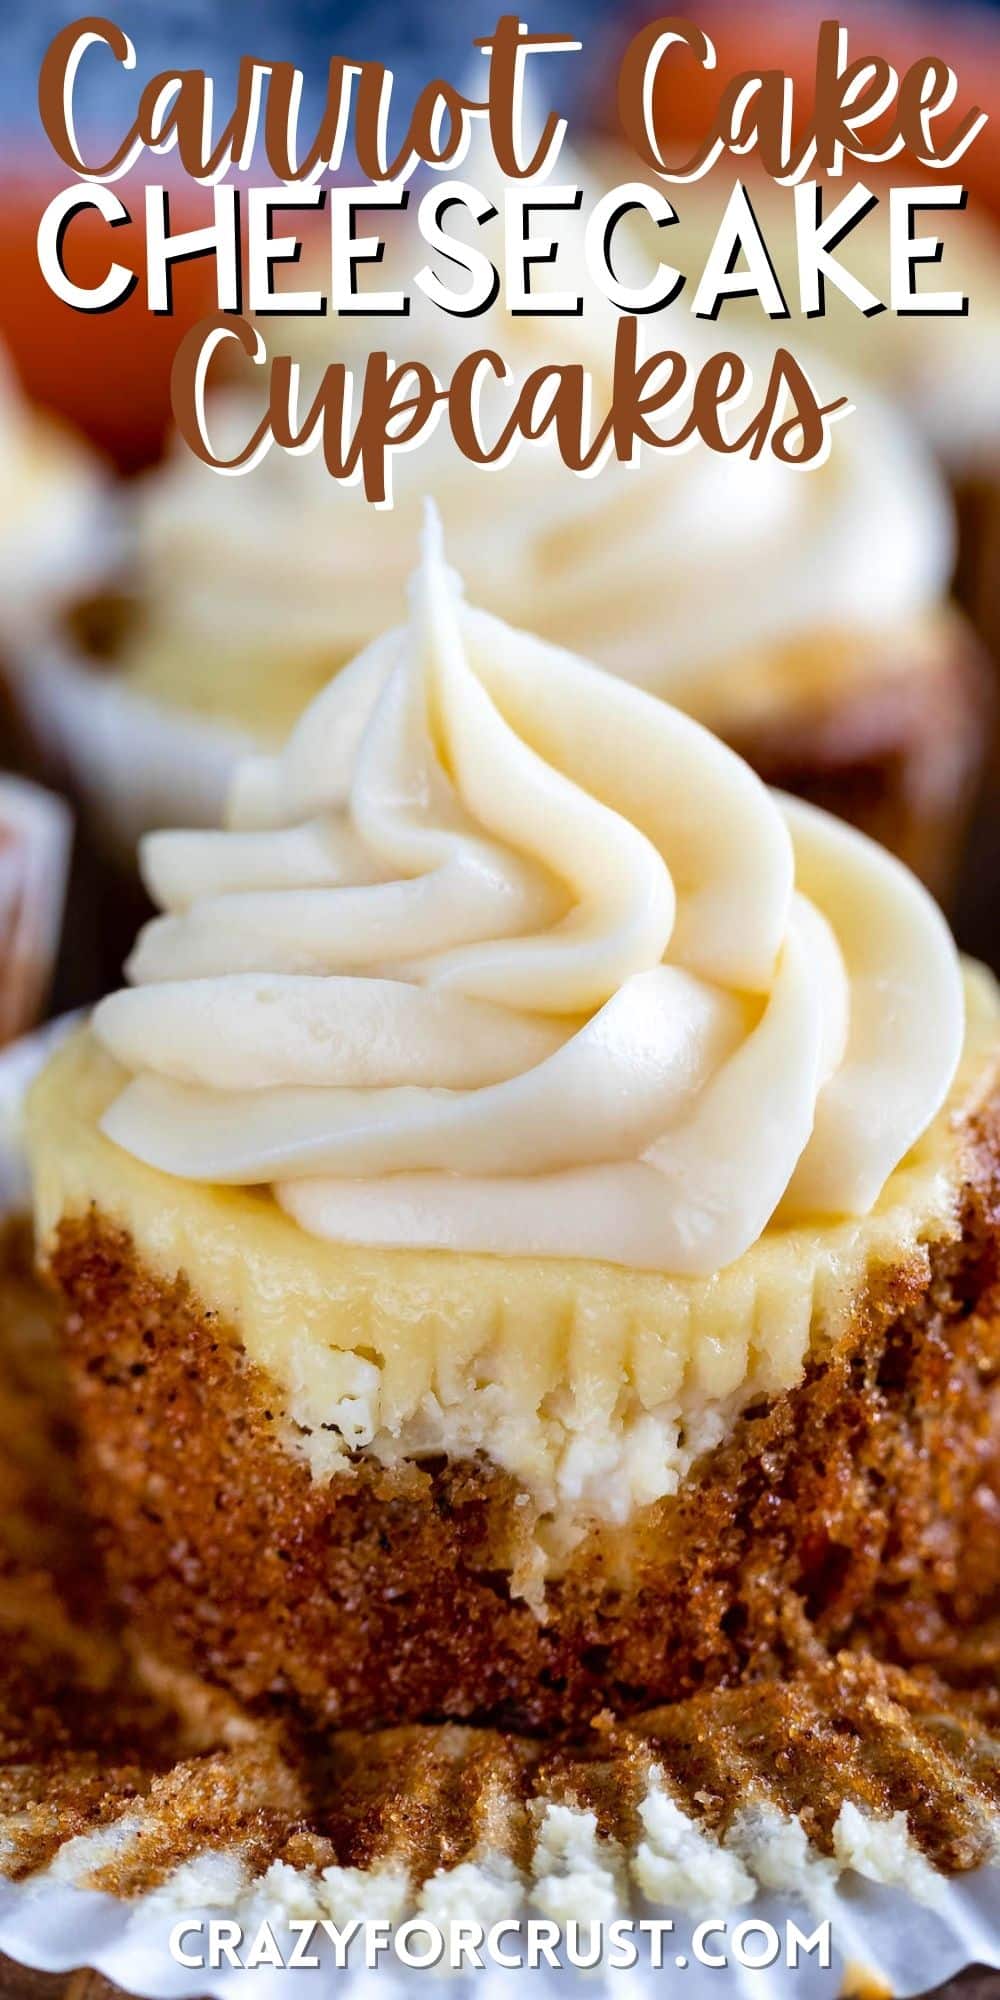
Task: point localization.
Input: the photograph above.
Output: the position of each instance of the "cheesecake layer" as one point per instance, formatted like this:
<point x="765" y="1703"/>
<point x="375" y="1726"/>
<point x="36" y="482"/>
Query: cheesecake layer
<point x="595" y="1387"/>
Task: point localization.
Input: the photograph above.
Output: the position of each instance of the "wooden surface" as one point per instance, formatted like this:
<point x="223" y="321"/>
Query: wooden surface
<point x="17" y="1984"/>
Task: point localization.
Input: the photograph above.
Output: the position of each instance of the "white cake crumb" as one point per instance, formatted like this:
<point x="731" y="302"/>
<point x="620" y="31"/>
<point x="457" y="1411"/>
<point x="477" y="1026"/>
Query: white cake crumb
<point x="281" y="1894"/>
<point x="211" y="1881"/>
<point x="679" y="1864"/>
<point x="377" y="1895"/>
<point x="883" y="1851"/>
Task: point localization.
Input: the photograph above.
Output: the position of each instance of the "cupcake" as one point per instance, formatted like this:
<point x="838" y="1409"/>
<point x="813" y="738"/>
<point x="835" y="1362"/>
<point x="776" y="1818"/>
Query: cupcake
<point x="56" y="536"/>
<point x="35" y="839"/>
<point x="529" y="1231"/>
<point x="57" y="539"/>
<point x="939" y="368"/>
<point x="806" y="620"/>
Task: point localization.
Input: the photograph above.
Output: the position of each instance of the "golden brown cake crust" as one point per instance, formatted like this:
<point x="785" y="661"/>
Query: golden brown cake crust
<point x="863" y="1505"/>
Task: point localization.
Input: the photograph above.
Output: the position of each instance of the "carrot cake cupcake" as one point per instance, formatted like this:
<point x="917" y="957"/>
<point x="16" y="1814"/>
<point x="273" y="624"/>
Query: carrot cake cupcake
<point x="805" y="619"/>
<point x="529" y="1233"/>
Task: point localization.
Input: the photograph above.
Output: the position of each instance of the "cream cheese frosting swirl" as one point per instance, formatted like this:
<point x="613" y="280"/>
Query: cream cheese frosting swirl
<point x="501" y="954"/>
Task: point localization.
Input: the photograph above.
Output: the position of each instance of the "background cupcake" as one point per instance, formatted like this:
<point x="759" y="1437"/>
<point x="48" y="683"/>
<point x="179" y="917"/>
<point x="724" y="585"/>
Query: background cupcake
<point x="806" y="619"/>
<point x="866" y="1732"/>
<point x="34" y="862"/>
<point x="485" y="1157"/>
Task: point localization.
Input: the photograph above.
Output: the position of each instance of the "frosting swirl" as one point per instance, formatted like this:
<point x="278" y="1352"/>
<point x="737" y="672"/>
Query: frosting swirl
<point x="501" y="954"/>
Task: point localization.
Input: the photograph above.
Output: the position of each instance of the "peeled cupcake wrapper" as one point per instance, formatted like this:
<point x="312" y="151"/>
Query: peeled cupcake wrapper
<point x="35" y="839"/>
<point x="132" y="763"/>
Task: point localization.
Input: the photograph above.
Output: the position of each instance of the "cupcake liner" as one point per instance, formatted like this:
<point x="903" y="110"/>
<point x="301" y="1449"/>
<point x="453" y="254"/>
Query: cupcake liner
<point x="127" y="1820"/>
<point x="132" y="763"/>
<point x="35" y="840"/>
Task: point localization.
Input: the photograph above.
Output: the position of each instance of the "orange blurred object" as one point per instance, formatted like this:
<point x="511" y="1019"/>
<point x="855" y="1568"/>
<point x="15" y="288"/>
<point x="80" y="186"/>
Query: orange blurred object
<point x="109" y="373"/>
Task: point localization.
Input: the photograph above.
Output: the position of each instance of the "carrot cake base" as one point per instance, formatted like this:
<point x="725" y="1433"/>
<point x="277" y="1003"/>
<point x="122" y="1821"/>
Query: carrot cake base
<point x="862" y="1504"/>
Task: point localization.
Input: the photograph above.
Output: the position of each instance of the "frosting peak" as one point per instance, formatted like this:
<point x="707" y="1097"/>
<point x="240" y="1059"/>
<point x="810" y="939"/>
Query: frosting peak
<point x="502" y="954"/>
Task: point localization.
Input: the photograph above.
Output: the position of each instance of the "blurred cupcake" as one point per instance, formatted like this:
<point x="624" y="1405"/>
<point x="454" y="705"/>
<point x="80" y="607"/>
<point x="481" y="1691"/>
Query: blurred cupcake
<point x="944" y="371"/>
<point x="55" y="525"/>
<point x="529" y="1234"/>
<point x="803" y="618"/>
<point x="34" y="861"/>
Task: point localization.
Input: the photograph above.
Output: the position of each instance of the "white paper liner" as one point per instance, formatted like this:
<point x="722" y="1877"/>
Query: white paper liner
<point x="877" y="1931"/>
<point x="134" y="763"/>
<point x="891" y="1916"/>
